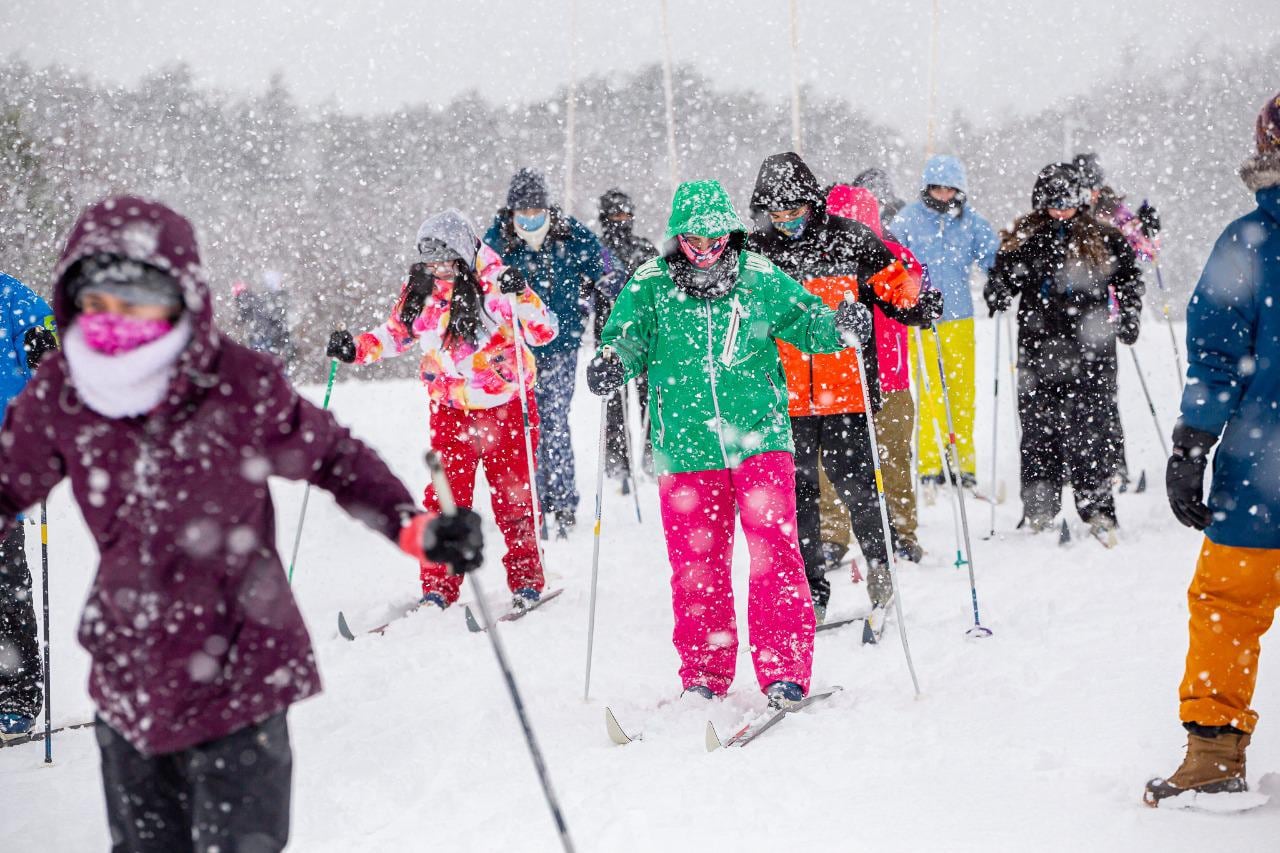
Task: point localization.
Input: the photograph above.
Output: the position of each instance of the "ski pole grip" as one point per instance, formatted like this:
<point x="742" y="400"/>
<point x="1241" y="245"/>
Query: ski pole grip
<point x="443" y="493"/>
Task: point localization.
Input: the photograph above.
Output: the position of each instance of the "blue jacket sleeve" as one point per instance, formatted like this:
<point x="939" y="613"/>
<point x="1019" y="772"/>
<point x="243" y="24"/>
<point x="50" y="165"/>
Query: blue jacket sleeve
<point x="1221" y="331"/>
<point x="985" y="242"/>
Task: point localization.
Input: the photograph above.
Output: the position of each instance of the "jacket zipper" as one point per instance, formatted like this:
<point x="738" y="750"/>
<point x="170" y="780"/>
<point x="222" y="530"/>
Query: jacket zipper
<point x="711" y="372"/>
<point x="662" y="426"/>
<point x="731" y="337"/>
<point x="776" y="396"/>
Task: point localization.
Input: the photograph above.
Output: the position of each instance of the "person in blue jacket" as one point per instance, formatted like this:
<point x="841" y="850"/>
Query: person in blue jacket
<point x="26" y="323"/>
<point x="950" y="238"/>
<point x="563" y="262"/>
<point x="1231" y="395"/>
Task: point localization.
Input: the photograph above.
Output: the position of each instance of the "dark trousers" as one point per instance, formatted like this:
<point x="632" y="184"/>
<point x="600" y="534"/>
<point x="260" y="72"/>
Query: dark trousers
<point x="620" y="442"/>
<point x="556" y="474"/>
<point x="1115" y="431"/>
<point x="229" y="795"/>
<point x="1066" y="435"/>
<point x="845" y="450"/>
<point x="20" y="673"/>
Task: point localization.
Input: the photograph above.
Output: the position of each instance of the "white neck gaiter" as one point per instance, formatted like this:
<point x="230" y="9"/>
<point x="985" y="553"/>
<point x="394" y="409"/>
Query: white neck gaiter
<point x="131" y="383"/>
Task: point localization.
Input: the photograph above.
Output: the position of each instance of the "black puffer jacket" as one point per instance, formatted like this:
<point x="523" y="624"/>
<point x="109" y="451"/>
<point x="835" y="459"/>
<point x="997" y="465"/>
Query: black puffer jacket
<point x="1066" y="274"/>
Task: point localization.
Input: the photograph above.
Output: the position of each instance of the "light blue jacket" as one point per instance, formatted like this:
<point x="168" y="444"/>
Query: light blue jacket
<point x="948" y="245"/>
<point x="20" y="310"/>
<point x="1233" y="375"/>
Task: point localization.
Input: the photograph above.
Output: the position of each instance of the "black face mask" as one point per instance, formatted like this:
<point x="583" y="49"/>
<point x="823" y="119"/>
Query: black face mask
<point x="954" y="207"/>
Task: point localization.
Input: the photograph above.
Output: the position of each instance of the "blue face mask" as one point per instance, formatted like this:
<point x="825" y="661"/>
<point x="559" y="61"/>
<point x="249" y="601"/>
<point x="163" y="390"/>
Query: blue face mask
<point x="530" y="223"/>
<point x="792" y="228"/>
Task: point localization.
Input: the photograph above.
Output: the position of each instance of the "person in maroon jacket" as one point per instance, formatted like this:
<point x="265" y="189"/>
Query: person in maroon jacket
<point x="168" y="431"/>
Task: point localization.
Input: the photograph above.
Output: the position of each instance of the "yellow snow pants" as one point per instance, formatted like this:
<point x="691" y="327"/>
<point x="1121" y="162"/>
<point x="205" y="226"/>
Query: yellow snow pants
<point x="1232" y="599"/>
<point x="958" y="356"/>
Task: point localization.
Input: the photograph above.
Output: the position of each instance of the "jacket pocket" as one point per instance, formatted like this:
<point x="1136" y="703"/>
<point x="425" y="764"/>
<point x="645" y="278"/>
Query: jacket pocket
<point x="774" y="385"/>
<point x="662" y="427"/>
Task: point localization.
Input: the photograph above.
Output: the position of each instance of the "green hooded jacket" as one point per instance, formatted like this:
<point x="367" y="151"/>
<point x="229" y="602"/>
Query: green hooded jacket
<point x="717" y="392"/>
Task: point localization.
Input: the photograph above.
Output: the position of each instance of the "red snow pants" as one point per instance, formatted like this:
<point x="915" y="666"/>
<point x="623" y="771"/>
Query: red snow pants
<point x="698" y="510"/>
<point x="466" y="439"/>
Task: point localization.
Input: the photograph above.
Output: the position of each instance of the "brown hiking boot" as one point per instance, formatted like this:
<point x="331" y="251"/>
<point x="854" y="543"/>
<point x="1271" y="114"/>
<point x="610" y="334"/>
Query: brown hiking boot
<point x="1213" y="765"/>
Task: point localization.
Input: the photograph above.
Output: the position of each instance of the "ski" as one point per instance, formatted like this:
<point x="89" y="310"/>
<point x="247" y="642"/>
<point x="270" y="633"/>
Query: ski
<point x="840" y="623"/>
<point x="1106" y="536"/>
<point x="616" y="732"/>
<point x="1221" y="803"/>
<point x="38" y="734"/>
<point x="345" y="630"/>
<point x="874" y="625"/>
<point x="474" y="626"/>
<point x="757" y="727"/>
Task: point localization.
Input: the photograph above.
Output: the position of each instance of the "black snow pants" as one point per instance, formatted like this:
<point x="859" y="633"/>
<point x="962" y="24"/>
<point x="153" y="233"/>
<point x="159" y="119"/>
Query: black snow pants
<point x="1067" y="436"/>
<point x="619" y="439"/>
<point x="229" y="795"/>
<point x="20" y="673"/>
<point x="845" y="450"/>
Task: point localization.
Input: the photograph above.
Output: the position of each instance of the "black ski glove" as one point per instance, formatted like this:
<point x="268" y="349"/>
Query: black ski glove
<point x="455" y="540"/>
<point x="997" y="296"/>
<point x="1150" y="220"/>
<point x="510" y="281"/>
<point x="342" y="346"/>
<point x="36" y="342"/>
<point x="605" y="374"/>
<point x="930" y="306"/>
<point x="1130" y="326"/>
<point x="853" y="322"/>
<point x="1184" y="476"/>
<point x="420" y="280"/>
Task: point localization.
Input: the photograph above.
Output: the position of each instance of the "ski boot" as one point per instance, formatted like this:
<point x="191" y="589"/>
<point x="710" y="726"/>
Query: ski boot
<point x="433" y="598"/>
<point x="1214" y="765"/>
<point x="910" y="551"/>
<point x="700" y="691"/>
<point x="13" y="724"/>
<point x="525" y="598"/>
<point x="1104" y="530"/>
<point x="783" y="695"/>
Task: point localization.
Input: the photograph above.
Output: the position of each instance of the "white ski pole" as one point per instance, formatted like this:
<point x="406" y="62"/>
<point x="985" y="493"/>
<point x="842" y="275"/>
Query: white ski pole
<point x="530" y="458"/>
<point x="977" y="630"/>
<point x="995" y="424"/>
<point x="891" y="564"/>
<point x="595" y="548"/>
<point x="927" y="384"/>
<point x="447" y="507"/>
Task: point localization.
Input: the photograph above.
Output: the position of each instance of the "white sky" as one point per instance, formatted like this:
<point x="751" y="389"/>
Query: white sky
<point x="995" y="56"/>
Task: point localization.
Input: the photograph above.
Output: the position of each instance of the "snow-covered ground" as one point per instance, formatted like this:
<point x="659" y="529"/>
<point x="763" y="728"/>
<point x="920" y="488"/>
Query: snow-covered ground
<point x="1039" y="738"/>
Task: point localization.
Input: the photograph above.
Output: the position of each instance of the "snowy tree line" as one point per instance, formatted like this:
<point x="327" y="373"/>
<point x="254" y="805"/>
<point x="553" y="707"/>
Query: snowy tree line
<point x="333" y="199"/>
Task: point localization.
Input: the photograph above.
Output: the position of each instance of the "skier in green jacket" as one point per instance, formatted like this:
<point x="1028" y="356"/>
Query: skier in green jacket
<point x="702" y="320"/>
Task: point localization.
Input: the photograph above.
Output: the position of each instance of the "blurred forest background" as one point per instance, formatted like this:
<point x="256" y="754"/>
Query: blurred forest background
<point x="333" y="200"/>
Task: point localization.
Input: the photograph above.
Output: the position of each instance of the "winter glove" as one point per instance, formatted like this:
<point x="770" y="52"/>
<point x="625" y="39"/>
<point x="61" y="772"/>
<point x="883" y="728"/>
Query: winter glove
<point x="930" y="305"/>
<point x="510" y="281"/>
<point x="998" y="297"/>
<point x="341" y="346"/>
<point x="36" y="342"/>
<point x="853" y="322"/>
<point x="1130" y="326"/>
<point x="605" y="374"/>
<point x="1149" y="219"/>
<point x="1184" y="476"/>
<point x="454" y="540"/>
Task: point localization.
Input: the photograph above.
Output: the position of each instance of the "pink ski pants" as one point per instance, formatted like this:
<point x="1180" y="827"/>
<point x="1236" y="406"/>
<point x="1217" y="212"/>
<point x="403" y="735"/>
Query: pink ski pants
<point x="698" y="511"/>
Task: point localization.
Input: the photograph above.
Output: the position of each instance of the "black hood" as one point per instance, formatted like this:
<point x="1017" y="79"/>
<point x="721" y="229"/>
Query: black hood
<point x="785" y="182"/>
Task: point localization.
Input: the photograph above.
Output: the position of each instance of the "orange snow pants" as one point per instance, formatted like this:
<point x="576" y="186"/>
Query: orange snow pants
<point x="1233" y="599"/>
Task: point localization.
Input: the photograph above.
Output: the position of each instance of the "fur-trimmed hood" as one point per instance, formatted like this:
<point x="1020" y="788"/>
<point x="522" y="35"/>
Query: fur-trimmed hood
<point x="1261" y="171"/>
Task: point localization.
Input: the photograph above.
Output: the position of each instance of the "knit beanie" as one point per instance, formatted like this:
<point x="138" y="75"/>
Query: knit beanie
<point x="1262" y="170"/>
<point x="528" y="190"/>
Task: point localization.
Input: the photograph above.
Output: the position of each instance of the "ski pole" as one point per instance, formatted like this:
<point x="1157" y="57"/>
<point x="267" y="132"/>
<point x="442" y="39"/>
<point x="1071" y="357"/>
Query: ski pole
<point x="927" y="384"/>
<point x="631" y="460"/>
<point x="1168" y="320"/>
<point x="44" y="583"/>
<point x="995" y="420"/>
<point x="595" y="548"/>
<point x="1013" y="381"/>
<point x="977" y="630"/>
<point x="890" y="556"/>
<point x="1150" y="404"/>
<point x="306" y="493"/>
<point x="447" y="507"/>
<point x="530" y="460"/>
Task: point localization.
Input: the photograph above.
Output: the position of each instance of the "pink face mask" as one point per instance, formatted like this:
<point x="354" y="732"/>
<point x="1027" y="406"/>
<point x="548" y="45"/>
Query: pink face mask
<point x="112" y="334"/>
<point x="703" y="260"/>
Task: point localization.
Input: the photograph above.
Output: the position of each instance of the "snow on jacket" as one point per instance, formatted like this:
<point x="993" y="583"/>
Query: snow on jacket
<point x="570" y="262"/>
<point x="459" y="373"/>
<point x="893" y="344"/>
<point x="831" y="256"/>
<point x="1065" y="319"/>
<point x="1233" y="373"/>
<point x="20" y="311"/>
<point x="190" y="625"/>
<point x="948" y="245"/>
<point x="716" y="387"/>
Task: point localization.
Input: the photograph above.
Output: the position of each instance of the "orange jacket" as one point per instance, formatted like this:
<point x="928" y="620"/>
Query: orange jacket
<point x="829" y="384"/>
